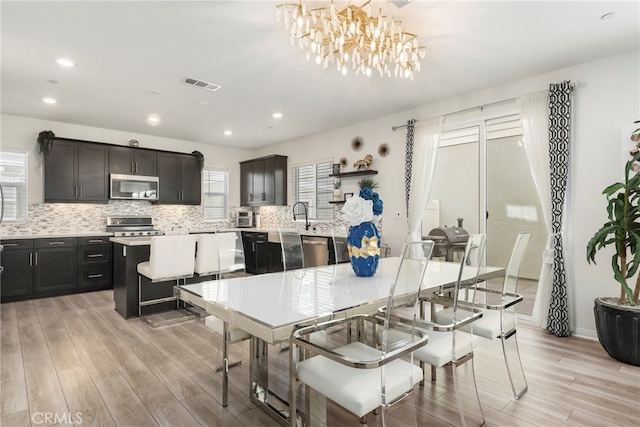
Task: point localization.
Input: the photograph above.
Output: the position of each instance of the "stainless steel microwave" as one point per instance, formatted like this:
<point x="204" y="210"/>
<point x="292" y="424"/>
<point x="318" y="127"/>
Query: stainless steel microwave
<point x="134" y="187"/>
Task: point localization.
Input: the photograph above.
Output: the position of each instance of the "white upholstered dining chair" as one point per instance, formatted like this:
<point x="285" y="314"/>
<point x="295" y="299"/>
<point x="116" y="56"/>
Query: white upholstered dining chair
<point x="222" y="255"/>
<point x="499" y="318"/>
<point x="363" y="376"/>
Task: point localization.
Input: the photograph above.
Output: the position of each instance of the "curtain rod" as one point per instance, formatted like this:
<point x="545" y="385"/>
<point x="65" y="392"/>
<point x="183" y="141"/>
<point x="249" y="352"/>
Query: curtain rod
<point x="573" y="85"/>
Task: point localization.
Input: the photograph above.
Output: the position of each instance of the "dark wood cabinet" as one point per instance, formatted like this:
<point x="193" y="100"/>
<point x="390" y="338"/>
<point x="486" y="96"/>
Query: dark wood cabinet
<point x="132" y="161"/>
<point x="256" y="252"/>
<point x="180" y="179"/>
<point x="76" y="171"/>
<point x="275" y="258"/>
<point x="263" y="181"/>
<point x="54" y="266"/>
<point x="16" y="281"/>
<point x="95" y="264"/>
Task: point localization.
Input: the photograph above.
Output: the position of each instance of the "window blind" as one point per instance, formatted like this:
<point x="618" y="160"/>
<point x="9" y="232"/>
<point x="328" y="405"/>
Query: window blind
<point x="215" y="199"/>
<point x="314" y="187"/>
<point x="13" y="178"/>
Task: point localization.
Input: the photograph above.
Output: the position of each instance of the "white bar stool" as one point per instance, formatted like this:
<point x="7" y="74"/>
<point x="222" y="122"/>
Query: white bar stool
<point x="170" y="258"/>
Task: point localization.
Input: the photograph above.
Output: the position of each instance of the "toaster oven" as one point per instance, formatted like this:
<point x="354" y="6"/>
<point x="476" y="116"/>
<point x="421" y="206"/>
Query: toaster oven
<point x="244" y="219"/>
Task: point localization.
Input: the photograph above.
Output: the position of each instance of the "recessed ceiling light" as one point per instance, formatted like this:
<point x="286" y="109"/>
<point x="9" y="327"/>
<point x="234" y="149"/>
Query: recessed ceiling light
<point x="203" y="103"/>
<point x="153" y="120"/>
<point x="276" y="115"/>
<point x="228" y="132"/>
<point x="609" y="15"/>
<point x="49" y="100"/>
<point x="53" y="81"/>
<point x="154" y="91"/>
<point x="65" y="62"/>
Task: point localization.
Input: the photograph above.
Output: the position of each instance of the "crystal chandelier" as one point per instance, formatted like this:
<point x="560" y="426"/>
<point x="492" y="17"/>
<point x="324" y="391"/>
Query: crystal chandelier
<point x="352" y="38"/>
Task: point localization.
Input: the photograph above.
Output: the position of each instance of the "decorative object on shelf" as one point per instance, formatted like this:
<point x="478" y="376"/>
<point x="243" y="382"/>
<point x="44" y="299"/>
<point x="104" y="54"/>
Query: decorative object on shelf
<point x="200" y="158"/>
<point x="368" y="183"/>
<point x="45" y="141"/>
<point x="336" y="168"/>
<point x="383" y="150"/>
<point x="337" y="182"/>
<point x="618" y="319"/>
<point x="364" y="163"/>
<point x="357" y="143"/>
<point x="134" y="143"/>
<point x="353" y="38"/>
<point x="348" y="196"/>
<point x="363" y="212"/>
<point x="343" y="162"/>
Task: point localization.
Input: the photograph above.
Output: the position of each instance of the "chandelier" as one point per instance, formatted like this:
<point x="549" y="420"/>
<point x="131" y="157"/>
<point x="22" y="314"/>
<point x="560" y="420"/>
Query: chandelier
<point x="352" y="38"/>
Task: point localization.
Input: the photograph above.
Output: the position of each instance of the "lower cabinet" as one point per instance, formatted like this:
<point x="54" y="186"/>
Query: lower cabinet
<point x="256" y="252"/>
<point x="54" y="266"/>
<point x="275" y="258"/>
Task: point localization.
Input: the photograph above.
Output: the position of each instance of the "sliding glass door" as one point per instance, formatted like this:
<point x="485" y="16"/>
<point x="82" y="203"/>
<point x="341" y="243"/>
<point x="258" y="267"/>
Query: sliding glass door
<point x="482" y="176"/>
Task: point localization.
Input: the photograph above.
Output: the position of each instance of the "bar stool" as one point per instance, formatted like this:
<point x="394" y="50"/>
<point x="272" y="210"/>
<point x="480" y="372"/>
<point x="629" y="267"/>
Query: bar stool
<point x="170" y="258"/>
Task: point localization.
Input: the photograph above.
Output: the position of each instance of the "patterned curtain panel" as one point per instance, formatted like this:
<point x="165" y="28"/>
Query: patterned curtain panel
<point x="559" y="138"/>
<point x="408" y="161"/>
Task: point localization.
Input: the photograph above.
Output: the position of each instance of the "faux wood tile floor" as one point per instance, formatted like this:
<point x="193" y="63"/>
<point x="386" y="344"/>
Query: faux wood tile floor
<point x="74" y="360"/>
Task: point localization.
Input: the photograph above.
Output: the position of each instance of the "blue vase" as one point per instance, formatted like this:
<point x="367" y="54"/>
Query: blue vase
<point x="363" y="244"/>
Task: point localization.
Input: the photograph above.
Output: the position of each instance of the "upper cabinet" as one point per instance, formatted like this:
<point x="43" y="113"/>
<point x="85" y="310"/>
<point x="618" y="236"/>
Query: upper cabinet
<point x="76" y="171"/>
<point x="263" y="181"/>
<point x="180" y="179"/>
<point x="132" y="161"/>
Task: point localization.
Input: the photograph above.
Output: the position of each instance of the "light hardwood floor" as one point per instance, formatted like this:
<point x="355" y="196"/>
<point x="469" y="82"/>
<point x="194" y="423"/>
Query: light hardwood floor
<point x="74" y="360"/>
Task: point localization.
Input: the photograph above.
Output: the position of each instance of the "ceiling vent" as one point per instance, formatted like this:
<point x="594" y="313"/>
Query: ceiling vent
<point x="399" y="3"/>
<point x="204" y="85"/>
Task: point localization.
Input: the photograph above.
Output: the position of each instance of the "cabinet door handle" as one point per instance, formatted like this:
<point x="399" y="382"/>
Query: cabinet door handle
<point x="75" y="191"/>
<point x="80" y="187"/>
<point x="95" y="240"/>
<point x="95" y="255"/>
<point x="56" y="243"/>
<point x="264" y="196"/>
<point x="36" y="259"/>
<point x="135" y="167"/>
<point x="30" y="259"/>
<point x="6" y="245"/>
<point x="95" y="276"/>
<point x="133" y="170"/>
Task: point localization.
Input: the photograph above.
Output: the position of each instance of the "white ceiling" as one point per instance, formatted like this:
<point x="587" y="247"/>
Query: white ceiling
<point x="125" y="50"/>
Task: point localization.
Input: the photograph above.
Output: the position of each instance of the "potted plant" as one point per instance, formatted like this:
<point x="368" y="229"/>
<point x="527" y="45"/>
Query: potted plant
<point x="617" y="319"/>
<point x="45" y="141"/>
<point x="337" y="182"/>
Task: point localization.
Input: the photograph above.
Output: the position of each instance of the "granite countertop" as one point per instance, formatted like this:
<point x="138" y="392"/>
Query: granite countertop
<point x="57" y="235"/>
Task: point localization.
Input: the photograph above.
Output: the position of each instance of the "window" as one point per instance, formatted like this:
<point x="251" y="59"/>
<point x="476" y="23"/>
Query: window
<point x="313" y="186"/>
<point x="216" y="195"/>
<point x="13" y="178"/>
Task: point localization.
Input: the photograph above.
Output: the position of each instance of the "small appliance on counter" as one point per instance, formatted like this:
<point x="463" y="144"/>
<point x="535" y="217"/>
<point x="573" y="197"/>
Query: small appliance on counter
<point x="244" y="219"/>
<point x="132" y="225"/>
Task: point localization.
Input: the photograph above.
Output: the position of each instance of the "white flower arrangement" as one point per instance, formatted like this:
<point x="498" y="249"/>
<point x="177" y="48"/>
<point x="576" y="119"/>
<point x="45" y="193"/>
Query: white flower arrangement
<point x="357" y="210"/>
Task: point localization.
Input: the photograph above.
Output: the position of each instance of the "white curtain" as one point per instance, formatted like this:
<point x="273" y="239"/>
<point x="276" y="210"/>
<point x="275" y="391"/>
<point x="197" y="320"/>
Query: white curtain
<point x="425" y="153"/>
<point x="534" y="113"/>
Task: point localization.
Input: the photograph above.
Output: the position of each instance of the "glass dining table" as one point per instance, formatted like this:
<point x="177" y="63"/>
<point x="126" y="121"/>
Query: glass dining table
<point x="271" y="306"/>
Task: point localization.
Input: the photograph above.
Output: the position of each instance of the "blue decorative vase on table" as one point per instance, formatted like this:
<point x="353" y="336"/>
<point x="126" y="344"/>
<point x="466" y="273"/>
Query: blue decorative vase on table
<point x="363" y="243"/>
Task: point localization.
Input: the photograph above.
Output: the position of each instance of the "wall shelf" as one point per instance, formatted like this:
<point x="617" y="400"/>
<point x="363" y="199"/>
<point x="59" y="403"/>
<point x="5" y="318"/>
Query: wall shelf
<point x="354" y="174"/>
<point x="336" y="202"/>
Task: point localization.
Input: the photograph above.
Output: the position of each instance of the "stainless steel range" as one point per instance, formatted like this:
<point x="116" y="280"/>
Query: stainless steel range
<point x="132" y="225"/>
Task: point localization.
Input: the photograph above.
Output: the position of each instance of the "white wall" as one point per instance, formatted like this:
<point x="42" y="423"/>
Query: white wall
<point x="21" y="133"/>
<point x="605" y="103"/>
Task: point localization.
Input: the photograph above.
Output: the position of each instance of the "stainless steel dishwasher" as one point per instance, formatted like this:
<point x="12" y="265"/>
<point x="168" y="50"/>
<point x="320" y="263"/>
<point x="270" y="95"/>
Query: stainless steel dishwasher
<point x="315" y="251"/>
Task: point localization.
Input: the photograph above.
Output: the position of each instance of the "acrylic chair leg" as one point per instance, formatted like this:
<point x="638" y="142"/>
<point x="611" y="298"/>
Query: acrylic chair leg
<point x="456" y="388"/>
<point x="225" y="365"/>
<point x="475" y="386"/>
<point x="517" y="394"/>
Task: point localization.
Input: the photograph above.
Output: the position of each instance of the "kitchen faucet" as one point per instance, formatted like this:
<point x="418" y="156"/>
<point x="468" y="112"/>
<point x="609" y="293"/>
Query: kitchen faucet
<point x="306" y="214"/>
